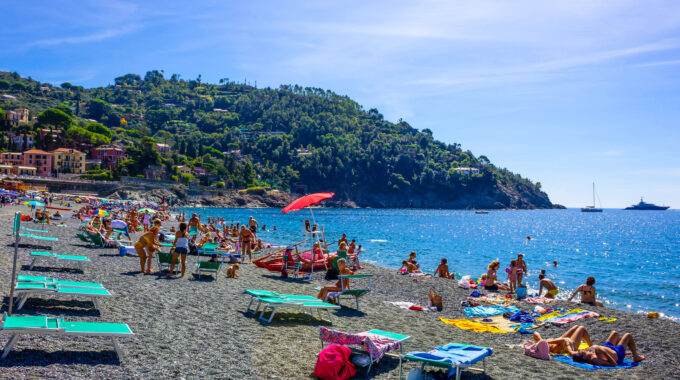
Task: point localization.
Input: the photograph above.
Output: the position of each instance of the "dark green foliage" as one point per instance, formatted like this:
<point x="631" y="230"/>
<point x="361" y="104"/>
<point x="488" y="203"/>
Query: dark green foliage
<point x="55" y="117"/>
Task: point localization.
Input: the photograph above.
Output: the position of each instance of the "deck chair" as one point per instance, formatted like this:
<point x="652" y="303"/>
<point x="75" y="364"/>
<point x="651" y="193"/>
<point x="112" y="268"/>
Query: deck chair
<point x="208" y="248"/>
<point x="274" y="303"/>
<point x="83" y="238"/>
<point x="80" y="260"/>
<point x="56" y="281"/>
<point x="25" y="290"/>
<point x="33" y="230"/>
<point x="165" y="259"/>
<point x="453" y="356"/>
<point x="376" y="343"/>
<point x="212" y="267"/>
<point x="193" y="230"/>
<point x="356" y="293"/>
<point x="49" y="238"/>
<point x="256" y="294"/>
<point x="96" y="239"/>
<point x="42" y="325"/>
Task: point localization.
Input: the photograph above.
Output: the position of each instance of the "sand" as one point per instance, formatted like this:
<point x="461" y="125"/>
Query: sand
<point x="186" y="328"/>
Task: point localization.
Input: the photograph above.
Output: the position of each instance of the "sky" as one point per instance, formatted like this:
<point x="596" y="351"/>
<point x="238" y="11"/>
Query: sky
<point x="564" y="93"/>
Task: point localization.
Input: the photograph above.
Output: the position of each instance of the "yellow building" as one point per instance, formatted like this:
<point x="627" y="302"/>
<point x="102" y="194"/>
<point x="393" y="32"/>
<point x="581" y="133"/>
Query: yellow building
<point x="183" y="169"/>
<point x="67" y="160"/>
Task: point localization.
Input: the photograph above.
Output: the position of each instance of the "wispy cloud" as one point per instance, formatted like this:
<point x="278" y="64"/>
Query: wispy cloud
<point x="659" y="63"/>
<point x="86" y="38"/>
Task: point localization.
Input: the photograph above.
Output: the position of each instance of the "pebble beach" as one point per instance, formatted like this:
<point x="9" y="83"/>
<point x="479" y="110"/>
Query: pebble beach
<point x="197" y="328"/>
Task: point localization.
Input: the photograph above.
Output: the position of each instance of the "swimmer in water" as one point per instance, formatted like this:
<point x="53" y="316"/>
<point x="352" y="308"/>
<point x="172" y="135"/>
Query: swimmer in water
<point x="528" y="238"/>
<point x="555" y="263"/>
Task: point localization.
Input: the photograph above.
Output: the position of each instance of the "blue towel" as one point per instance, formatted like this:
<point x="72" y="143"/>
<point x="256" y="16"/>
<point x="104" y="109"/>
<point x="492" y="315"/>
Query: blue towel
<point x="454" y="353"/>
<point x="487" y="311"/>
<point x="627" y="363"/>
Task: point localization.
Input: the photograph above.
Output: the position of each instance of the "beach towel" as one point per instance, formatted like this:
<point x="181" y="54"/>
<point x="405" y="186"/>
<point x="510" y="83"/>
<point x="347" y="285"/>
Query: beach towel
<point x="499" y="322"/>
<point x="375" y="345"/>
<point x="538" y="350"/>
<point x="494" y="299"/>
<point x="405" y="305"/>
<point x="571" y="317"/>
<point x="485" y="311"/>
<point x="466" y="324"/>
<point x="540" y="300"/>
<point x="627" y="363"/>
<point x="333" y="363"/>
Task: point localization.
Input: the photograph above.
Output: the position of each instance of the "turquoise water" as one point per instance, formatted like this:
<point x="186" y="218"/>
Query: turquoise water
<point x="632" y="254"/>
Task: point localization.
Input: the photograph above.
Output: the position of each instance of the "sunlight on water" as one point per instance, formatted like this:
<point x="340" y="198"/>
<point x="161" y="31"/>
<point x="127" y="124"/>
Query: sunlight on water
<point x="633" y="255"/>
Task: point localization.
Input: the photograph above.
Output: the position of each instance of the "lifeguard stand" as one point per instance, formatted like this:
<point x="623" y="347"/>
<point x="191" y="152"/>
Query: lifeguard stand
<point x="313" y="234"/>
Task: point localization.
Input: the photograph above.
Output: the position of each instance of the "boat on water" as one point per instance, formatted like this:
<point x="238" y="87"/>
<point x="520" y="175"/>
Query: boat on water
<point x="481" y="212"/>
<point x="592" y="208"/>
<point x="644" y="206"/>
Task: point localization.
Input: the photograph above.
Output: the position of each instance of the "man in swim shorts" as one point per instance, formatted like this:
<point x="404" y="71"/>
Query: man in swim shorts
<point x="252" y="225"/>
<point x="611" y="353"/>
<point x="549" y="285"/>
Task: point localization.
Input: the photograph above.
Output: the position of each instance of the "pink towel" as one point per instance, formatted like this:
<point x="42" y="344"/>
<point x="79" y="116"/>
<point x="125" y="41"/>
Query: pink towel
<point x="538" y="350"/>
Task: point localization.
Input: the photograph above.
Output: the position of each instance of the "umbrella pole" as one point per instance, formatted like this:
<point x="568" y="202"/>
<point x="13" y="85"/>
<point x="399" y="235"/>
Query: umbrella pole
<point x="17" y="224"/>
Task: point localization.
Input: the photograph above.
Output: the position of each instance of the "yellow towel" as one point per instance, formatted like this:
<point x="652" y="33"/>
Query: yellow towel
<point x="470" y="325"/>
<point x="557" y="314"/>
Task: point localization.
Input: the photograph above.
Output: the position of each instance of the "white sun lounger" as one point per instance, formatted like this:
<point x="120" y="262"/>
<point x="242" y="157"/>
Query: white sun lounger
<point x="80" y="260"/>
<point x="25" y="290"/>
<point x="42" y="325"/>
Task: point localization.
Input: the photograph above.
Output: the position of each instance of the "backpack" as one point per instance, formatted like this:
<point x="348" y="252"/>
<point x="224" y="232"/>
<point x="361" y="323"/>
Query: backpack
<point x="334" y="364"/>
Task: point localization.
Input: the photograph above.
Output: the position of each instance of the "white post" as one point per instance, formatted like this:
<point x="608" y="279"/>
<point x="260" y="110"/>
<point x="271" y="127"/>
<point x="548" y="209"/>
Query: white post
<point x="17" y="226"/>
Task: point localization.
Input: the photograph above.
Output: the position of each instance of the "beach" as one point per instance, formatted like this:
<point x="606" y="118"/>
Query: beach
<point x="189" y="328"/>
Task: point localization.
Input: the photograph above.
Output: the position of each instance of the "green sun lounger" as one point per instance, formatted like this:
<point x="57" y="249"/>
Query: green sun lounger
<point x="212" y="267"/>
<point x="25" y="290"/>
<point x="274" y="303"/>
<point x="56" y="281"/>
<point x="42" y="325"/>
<point x="165" y="260"/>
<point x="49" y="238"/>
<point x="356" y="293"/>
<point x="33" y="230"/>
<point x="96" y="239"/>
<point x="362" y="338"/>
<point x="256" y="294"/>
<point x="80" y="260"/>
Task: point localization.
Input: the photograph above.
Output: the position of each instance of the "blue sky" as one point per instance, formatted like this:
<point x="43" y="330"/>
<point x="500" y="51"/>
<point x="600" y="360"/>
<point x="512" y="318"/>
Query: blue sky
<point x="565" y="93"/>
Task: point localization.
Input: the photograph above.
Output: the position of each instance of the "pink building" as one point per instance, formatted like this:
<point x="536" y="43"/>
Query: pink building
<point x="39" y="159"/>
<point x="109" y="155"/>
<point x="11" y="158"/>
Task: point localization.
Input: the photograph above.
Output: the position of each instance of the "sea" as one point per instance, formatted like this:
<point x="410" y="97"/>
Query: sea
<point x="633" y="255"/>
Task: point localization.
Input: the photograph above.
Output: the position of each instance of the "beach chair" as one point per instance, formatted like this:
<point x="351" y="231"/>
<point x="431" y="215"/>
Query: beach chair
<point x="33" y="230"/>
<point x="256" y="294"/>
<point x="25" y="290"/>
<point x="453" y="356"/>
<point x="48" y="238"/>
<point x="193" y="230"/>
<point x="42" y="325"/>
<point x="274" y="303"/>
<point x="208" y="248"/>
<point x="56" y="281"/>
<point x="356" y="293"/>
<point x="165" y="259"/>
<point x="80" y="260"/>
<point x="212" y="267"/>
<point x="96" y="238"/>
<point x="375" y="343"/>
<point x="83" y="238"/>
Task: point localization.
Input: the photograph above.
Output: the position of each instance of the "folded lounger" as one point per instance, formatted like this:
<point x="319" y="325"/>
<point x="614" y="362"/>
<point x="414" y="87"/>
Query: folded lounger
<point x="256" y="294"/>
<point x="453" y="356"/>
<point x="41" y="325"/>
<point x="305" y="303"/>
<point x="24" y="290"/>
<point x="356" y="293"/>
<point x="56" y="281"/>
<point x="377" y="343"/>
<point x="80" y="260"/>
<point x="33" y="230"/>
<point x="49" y="238"/>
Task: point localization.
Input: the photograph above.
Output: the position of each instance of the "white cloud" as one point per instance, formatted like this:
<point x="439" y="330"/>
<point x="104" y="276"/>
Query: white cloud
<point x="93" y="37"/>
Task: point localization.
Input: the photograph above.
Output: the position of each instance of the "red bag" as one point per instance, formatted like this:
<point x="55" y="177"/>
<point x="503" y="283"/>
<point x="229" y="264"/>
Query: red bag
<point x="334" y="364"/>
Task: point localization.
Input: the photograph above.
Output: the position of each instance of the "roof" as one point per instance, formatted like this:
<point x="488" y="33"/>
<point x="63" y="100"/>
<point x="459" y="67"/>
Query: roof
<point x="67" y="150"/>
<point x="37" y="151"/>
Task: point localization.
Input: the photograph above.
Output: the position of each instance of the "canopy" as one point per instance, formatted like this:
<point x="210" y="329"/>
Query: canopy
<point x="143" y="210"/>
<point x="307" y="200"/>
<point x="100" y="212"/>
<point x="34" y="203"/>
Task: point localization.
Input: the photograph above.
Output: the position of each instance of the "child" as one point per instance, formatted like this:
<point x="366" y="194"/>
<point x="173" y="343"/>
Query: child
<point x="232" y="271"/>
<point x="443" y="270"/>
<point x="512" y="275"/>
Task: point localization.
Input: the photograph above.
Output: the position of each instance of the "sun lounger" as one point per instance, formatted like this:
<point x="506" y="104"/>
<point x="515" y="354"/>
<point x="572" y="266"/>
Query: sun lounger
<point x="165" y="260"/>
<point x="41" y="325"/>
<point x="453" y="356"/>
<point x="83" y="238"/>
<point x="208" y="248"/>
<point x="49" y="238"/>
<point x="377" y="343"/>
<point x="56" y="281"/>
<point x="356" y="293"/>
<point x="96" y="238"/>
<point x="212" y="267"/>
<point x="193" y="230"/>
<point x="256" y="294"/>
<point x="80" y="260"/>
<point x="33" y="230"/>
<point x="25" y="290"/>
<point x="274" y="303"/>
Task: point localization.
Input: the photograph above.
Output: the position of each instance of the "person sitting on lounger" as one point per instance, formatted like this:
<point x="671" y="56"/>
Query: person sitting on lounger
<point x="568" y="342"/>
<point x="550" y="287"/>
<point x="342" y="269"/>
<point x="611" y="353"/>
<point x="587" y="292"/>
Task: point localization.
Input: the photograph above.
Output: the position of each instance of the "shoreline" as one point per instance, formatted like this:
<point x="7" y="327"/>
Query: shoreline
<point x="199" y="329"/>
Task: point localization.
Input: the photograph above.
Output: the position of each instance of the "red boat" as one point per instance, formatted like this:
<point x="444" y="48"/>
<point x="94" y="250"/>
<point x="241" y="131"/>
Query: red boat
<point x="274" y="263"/>
<point x="58" y="208"/>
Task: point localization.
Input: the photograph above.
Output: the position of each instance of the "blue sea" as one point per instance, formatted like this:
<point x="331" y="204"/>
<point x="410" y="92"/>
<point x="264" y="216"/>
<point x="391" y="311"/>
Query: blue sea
<point x="634" y="255"/>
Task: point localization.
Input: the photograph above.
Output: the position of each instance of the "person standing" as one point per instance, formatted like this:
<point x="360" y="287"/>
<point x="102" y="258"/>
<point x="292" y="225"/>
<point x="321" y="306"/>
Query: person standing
<point x="521" y="268"/>
<point x="246" y="238"/>
<point x="252" y="225"/>
<point x="181" y="248"/>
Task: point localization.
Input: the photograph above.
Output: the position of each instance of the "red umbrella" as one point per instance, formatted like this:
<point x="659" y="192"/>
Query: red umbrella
<point x="307" y="200"/>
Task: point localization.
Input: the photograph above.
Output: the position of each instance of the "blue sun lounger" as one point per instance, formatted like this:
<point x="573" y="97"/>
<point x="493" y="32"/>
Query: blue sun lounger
<point x="453" y="356"/>
<point x="24" y="290"/>
<point x="56" y="281"/>
<point x="80" y="260"/>
<point x="49" y="238"/>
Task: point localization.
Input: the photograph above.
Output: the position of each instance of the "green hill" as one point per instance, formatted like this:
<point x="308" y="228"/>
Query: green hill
<point x="245" y="136"/>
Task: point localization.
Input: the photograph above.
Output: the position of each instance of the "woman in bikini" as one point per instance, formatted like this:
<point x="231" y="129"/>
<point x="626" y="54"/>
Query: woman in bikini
<point x="342" y="269"/>
<point x="146" y="245"/>
<point x="568" y="342"/>
<point x="491" y="282"/>
<point x="587" y="293"/>
<point x="611" y="353"/>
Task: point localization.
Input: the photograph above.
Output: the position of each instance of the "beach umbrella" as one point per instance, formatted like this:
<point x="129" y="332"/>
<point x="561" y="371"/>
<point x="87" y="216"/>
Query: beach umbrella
<point x="100" y="212"/>
<point x="34" y="203"/>
<point x="306" y="201"/>
<point x="143" y="210"/>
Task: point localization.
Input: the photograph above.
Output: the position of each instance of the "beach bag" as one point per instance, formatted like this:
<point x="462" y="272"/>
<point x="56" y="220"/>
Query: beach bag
<point x="521" y="292"/>
<point x="464" y="282"/>
<point x="436" y="300"/>
<point x="334" y="364"/>
<point x="538" y="350"/>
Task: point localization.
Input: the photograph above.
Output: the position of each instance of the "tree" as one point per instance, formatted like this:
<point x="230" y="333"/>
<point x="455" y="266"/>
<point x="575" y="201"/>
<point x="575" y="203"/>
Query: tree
<point x="66" y="86"/>
<point x="98" y="128"/>
<point x="2" y="114"/>
<point x="4" y="85"/>
<point x="96" y="108"/>
<point x="55" y="117"/>
<point x="19" y="86"/>
<point x="128" y="79"/>
<point x="65" y="108"/>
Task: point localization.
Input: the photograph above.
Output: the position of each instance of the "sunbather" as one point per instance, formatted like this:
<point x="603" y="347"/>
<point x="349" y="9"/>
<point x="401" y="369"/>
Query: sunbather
<point x="342" y="269"/>
<point x="587" y="293"/>
<point x="443" y="270"/>
<point x="611" y="353"/>
<point x="491" y="282"/>
<point x="568" y="342"/>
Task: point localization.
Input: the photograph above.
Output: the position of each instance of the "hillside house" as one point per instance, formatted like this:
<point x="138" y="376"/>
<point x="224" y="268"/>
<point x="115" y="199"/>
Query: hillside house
<point x="67" y="160"/>
<point x="23" y="141"/>
<point x="40" y="160"/>
<point x="467" y="171"/>
<point x="109" y="155"/>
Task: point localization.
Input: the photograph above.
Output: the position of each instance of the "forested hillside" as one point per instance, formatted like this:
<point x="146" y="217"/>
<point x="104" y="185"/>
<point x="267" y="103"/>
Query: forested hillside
<point x="244" y="136"/>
